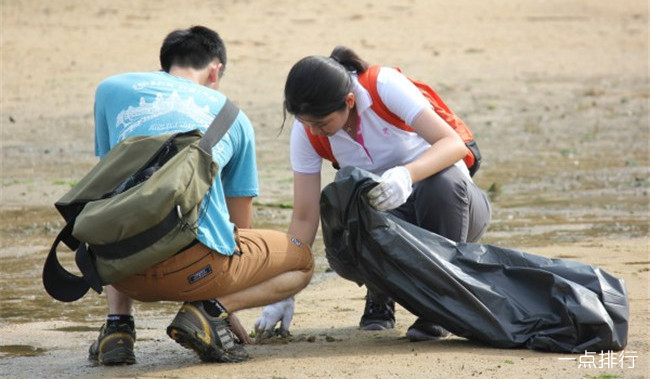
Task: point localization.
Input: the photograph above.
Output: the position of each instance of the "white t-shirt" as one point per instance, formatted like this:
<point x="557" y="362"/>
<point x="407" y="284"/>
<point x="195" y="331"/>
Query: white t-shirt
<point x="380" y="145"/>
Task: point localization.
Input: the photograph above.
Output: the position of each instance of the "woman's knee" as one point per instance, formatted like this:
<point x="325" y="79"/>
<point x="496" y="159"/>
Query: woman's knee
<point x="480" y="214"/>
<point x="445" y="189"/>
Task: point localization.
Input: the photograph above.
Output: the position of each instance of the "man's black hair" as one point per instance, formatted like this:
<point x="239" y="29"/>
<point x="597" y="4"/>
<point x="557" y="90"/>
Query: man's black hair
<point x="195" y="47"/>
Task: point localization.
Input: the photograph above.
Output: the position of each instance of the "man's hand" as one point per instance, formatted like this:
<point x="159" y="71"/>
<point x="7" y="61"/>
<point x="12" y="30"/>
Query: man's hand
<point x="238" y="329"/>
<point x="392" y="191"/>
<point x="282" y="311"/>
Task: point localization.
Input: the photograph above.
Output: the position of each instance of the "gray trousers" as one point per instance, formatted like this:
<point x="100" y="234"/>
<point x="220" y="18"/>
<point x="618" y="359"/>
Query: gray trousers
<point x="448" y="204"/>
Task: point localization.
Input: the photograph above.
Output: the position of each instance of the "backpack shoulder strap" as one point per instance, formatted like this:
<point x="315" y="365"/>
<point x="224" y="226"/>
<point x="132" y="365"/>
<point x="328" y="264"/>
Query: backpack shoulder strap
<point x="219" y="126"/>
<point x="368" y="79"/>
<point x="322" y="146"/>
<point x="58" y="281"/>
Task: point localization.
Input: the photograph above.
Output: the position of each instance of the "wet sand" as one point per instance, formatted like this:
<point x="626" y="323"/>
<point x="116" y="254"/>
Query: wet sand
<point x="556" y="94"/>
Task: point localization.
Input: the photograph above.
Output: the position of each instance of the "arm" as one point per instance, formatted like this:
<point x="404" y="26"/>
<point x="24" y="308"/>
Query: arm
<point x="306" y="207"/>
<point x="304" y="224"/>
<point x="446" y="149"/>
<point x="241" y="211"/>
<point x="241" y="214"/>
<point x="446" y="146"/>
<point x="406" y="101"/>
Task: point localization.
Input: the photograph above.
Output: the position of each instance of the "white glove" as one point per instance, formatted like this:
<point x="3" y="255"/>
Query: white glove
<point x="392" y="191"/>
<point x="271" y="315"/>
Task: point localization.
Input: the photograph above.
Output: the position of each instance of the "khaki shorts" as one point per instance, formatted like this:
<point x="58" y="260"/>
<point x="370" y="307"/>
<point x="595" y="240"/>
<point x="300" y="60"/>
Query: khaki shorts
<point x="199" y="273"/>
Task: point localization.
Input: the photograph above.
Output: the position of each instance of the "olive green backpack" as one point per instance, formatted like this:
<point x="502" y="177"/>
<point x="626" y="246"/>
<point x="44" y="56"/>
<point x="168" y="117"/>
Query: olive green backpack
<point x="138" y="206"/>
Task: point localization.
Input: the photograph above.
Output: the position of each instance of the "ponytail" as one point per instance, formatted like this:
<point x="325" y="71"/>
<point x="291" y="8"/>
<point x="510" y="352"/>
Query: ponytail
<point x="349" y="59"/>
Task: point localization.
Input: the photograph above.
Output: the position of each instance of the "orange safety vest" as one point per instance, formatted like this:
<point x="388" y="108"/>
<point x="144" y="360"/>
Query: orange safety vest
<point x="368" y="79"/>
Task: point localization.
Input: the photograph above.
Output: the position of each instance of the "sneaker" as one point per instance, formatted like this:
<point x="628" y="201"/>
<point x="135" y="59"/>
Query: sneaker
<point x="210" y="337"/>
<point x="423" y="330"/>
<point x="114" y="346"/>
<point x="379" y="313"/>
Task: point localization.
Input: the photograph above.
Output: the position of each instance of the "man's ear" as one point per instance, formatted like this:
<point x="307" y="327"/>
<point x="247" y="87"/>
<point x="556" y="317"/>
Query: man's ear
<point x="213" y="75"/>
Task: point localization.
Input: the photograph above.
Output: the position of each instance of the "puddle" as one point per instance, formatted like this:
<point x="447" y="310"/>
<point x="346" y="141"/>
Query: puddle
<point x="21" y="351"/>
<point x="77" y="328"/>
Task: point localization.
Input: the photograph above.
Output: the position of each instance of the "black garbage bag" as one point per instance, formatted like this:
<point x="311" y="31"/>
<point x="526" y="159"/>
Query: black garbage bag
<point x="502" y="297"/>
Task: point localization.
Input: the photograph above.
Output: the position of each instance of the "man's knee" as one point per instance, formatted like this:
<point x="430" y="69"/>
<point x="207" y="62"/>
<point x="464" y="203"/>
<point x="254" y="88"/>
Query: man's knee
<point x="305" y="259"/>
<point x="307" y="274"/>
<point x="301" y="254"/>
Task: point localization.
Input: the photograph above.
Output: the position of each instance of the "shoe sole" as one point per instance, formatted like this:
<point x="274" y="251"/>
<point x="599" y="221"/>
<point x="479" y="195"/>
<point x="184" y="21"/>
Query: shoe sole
<point x="375" y="327"/>
<point x="197" y="340"/>
<point x="415" y="335"/>
<point x="116" y="358"/>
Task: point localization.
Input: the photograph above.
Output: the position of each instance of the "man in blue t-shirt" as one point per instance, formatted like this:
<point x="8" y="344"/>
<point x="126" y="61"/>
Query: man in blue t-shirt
<point x="231" y="266"/>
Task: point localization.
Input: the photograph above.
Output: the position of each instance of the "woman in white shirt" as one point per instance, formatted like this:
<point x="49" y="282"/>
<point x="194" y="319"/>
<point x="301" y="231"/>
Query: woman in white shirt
<point x="423" y="177"/>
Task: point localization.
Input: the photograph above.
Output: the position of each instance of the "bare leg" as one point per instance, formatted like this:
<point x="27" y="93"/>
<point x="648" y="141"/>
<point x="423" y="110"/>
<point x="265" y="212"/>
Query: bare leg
<point x="118" y="303"/>
<point x="270" y="291"/>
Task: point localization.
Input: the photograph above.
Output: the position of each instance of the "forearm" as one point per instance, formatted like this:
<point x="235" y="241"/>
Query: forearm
<point x="446" y="148"/>
<point x="241" y="211"/>
<point x="306" y="207"/>
<point x="304" y="228"/>
<point x="442" y="154"/>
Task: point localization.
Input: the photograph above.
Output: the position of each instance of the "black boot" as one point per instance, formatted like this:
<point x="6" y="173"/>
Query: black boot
<point x="379" y="313"/>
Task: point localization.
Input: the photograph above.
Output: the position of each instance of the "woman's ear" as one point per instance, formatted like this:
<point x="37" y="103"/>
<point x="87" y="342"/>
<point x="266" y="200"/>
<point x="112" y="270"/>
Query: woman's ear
<point x="350" y="100"/>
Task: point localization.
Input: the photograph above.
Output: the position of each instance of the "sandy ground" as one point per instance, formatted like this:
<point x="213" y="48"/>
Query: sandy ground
<point x="326" y="343"/>
<point x="556" y="92"/>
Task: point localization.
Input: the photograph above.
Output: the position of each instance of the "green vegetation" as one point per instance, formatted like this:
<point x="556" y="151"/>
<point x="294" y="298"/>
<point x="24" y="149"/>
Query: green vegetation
<point x="70" y="183"/>
<point x="282" y="205"/>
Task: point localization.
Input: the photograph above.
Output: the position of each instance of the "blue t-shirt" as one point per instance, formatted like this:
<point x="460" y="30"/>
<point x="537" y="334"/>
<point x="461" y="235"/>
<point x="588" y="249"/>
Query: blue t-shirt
<point x="153" y="103"/>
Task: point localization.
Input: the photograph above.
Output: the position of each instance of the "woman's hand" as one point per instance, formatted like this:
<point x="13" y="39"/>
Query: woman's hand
<point x="393" y="190"/>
